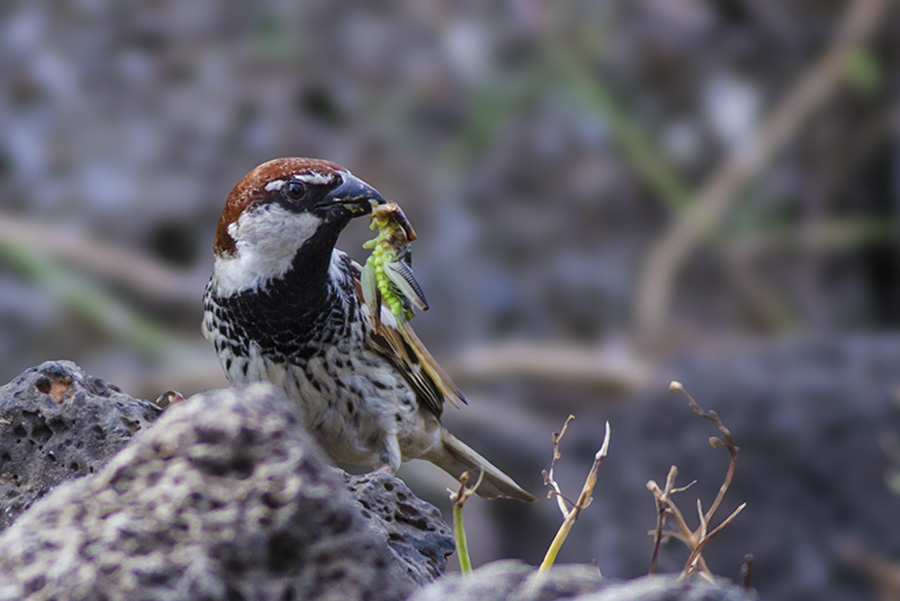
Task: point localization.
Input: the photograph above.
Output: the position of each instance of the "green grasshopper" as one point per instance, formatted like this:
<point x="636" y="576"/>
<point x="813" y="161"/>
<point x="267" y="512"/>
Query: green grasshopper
<point x="388" y="270"/>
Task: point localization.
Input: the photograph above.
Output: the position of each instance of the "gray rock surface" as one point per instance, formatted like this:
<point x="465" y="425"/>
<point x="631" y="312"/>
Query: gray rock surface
<point x="416" y="533"/>
<point x="516" y="581"/>
<point x="226" y="497"/>
<point x="58" y="423"/>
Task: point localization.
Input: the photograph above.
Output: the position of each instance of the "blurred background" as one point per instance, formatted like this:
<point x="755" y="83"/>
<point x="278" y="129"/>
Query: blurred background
<point x="607" y="194"/>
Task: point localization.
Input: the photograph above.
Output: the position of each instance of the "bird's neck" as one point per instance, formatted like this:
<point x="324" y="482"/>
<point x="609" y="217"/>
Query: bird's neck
<point x="294" y="314"/>
<point x="306" y="284"/>
<point x="255" y="268"/>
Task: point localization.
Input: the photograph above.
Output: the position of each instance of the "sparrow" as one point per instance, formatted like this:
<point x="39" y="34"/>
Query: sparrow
<point x="283" y="305"/>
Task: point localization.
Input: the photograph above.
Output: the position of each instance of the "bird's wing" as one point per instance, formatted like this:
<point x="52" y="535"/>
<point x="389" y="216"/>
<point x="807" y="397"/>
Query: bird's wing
<point x="401" y="347"/>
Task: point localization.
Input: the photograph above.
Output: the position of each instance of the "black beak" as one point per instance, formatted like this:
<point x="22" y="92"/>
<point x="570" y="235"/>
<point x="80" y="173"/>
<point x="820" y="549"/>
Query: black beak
<point x="355" y="195"/>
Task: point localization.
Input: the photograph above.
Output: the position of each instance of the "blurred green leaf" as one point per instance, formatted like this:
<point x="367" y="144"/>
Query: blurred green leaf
<point x="864" y="72"/>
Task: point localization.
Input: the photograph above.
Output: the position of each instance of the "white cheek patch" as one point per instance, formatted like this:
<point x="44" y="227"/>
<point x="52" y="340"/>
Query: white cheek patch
<point x="266" y="241"/>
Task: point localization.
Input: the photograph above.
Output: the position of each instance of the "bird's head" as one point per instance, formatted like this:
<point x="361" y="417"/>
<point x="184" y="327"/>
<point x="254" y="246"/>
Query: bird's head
<point x="277" y="209"/>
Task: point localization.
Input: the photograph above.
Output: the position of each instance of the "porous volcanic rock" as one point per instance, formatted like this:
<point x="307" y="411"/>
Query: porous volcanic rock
<point x="58" y="423"/>
<point x="226" y="497"/>
<point x="416" y="533"/>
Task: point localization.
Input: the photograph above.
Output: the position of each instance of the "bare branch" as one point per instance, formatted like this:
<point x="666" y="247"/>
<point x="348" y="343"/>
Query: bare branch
<point x="698" y="538"/>
<point x="695" y="553"/>
<point x="549" y="479"/>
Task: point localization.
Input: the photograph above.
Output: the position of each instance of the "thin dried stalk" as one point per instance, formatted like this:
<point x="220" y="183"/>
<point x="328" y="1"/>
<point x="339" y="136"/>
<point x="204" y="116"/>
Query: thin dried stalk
<point x="584" y="498"/>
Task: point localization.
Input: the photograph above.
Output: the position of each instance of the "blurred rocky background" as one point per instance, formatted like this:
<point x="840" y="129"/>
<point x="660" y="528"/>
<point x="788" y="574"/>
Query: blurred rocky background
<point x="607" y="195"/>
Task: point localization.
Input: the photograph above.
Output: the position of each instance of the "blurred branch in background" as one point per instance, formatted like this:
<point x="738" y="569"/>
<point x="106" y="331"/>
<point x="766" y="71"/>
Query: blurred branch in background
<point x="58" y="243"/>
<point x="41" y="252"/>
<point x="89" y="302"/>
<point x="594" y="367"/>
<point x="723" y="188"/>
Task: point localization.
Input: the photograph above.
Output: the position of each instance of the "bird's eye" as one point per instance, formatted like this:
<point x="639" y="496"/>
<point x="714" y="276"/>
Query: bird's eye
<point x="294" y="189"/>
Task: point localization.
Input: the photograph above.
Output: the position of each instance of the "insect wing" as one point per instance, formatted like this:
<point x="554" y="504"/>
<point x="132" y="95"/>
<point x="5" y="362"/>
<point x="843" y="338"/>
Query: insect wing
<point x="401" y="276"/>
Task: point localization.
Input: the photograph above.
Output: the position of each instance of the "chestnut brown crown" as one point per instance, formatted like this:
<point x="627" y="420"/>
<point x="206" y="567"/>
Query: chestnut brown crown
<point x="252" y="189"/>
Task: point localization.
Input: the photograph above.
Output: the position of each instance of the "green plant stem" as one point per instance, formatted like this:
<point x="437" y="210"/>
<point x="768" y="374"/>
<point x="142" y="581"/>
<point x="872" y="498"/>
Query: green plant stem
<point x="558" y="540"/>
<point x="462" y="547"/>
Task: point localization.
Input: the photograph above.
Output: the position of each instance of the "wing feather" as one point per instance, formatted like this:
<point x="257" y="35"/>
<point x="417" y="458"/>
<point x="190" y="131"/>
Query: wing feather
<point x="399" y="344"/>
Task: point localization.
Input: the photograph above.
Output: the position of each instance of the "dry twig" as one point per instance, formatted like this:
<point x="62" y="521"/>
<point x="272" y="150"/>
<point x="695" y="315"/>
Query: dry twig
<point x="570" y="515"/>
<point x="698" y="538"/>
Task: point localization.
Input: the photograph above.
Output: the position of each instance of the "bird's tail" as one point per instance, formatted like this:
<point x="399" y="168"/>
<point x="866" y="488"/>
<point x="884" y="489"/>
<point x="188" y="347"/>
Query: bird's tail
<point x="455" y="457"/>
